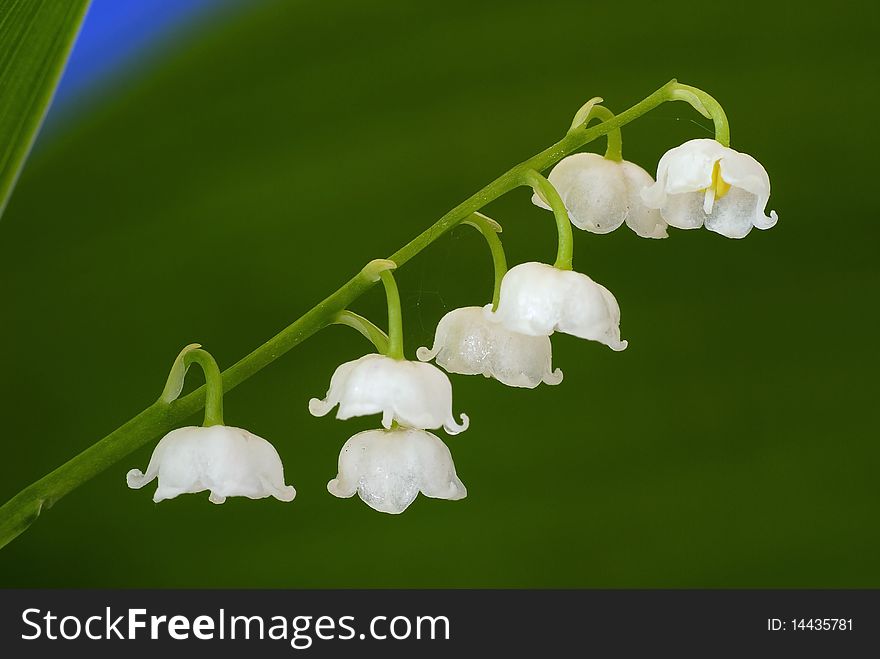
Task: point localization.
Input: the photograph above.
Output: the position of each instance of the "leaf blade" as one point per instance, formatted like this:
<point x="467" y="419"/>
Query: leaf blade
<point x="36" y="37"/>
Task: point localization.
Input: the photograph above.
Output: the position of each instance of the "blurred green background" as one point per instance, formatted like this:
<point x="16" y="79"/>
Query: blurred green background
<point x="219" y="191"/>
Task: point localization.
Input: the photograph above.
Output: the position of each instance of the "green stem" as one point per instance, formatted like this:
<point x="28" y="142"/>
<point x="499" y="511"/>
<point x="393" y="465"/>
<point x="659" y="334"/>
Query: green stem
<point x="213" y="386"/>
<point x="547" y="192"/>
<point x="614" y="150"/>
<point x="162" y="416"/>
<point x="395" y="317"/>
<point x="372" y="333"/>
<point x="706" y="105"/>
<point x="490" y="230"/>
<point x="193" y="354"/>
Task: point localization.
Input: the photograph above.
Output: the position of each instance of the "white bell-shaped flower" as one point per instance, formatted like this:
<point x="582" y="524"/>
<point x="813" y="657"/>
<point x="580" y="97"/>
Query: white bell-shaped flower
<point x="468" y="342"/>
<point x="702" y="182"/>
<point x="601" y="194"/>
<point x="388" y="469"/>
<point x="538" y="299"/>
<point x="414" y="394"/>
<point x="227" y="461"/>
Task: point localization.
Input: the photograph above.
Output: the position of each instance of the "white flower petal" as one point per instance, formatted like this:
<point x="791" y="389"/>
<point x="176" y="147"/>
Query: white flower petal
<point x="413" y="394"/>
<point x="228" y="461"/>
<point x="388" y="469"/>
<point x="645" y="221"/>
<point x="688" y="167"/>
<point x="741" y="170"/>
<point x="601" y="194"/>
<point x="538" y="299"/>
<point x="685" y="191"/>
<point x="733" y="215"/>
<point x="685" y="210"/>
<point x="593" y="191"/>
<point x="469" y="343"/>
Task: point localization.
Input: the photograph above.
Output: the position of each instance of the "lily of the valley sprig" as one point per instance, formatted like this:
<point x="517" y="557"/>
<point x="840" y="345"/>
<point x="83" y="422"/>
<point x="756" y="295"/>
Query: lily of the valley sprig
<point x="703" y="182"/>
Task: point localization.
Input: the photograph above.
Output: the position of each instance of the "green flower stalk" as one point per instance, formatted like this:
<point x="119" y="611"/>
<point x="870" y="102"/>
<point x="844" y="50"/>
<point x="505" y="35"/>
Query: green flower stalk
<point x="395" y="316"/>
<point x="373" y="334"/>
<point x="545" y="190"/>
<point x="193" y="354"/>
<point x="490" y="229"/>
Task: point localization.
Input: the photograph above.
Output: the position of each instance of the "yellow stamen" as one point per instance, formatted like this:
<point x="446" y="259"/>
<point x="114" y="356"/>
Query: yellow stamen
<point x="716" y="190"/>
<point x="722" y="187"/>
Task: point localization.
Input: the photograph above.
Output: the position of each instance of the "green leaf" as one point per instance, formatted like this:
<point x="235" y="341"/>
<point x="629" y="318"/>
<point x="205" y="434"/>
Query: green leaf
<point x="36" y="37"/>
